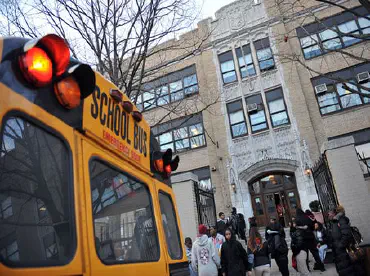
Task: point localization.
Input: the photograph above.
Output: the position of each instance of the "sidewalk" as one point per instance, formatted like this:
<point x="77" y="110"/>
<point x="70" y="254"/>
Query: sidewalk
<point x="330" y="268"/>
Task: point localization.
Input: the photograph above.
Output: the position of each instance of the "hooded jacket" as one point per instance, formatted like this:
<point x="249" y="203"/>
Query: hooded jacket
<point x="205" y="259"/>
<point x="234" y="258"/>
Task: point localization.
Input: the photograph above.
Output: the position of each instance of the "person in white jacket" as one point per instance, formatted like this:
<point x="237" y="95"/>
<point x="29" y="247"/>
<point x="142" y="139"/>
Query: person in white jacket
<point x="205" y="258"/>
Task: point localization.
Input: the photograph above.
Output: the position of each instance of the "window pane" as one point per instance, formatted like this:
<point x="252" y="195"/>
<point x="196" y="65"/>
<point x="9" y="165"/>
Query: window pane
<point x="148" y="95"/>
<point x="312" y="51"/>
<point x="239" y="129"/>
<point x="205" y="184"/>
<point x="279" y="119"/>
<point x="175" y="86"/>
<point x="170" y="227"/>
<point x="176" y="96"/>
<point x="165" y="138"/>
<point x="182" y="144"/>
<point x="229" y="77"/>
<point x="241" y="61"/>
<point x="259" y="207"/>
<point x="309" y="40"/>
<point x="35" y="166"/>
<point x="343" y="91"/>
<point x="332" y="44"/>
<point x="191" y="89"/>
<point x="330" y="109"/>
<point x="264" y="54"/>
<point x="248" y="59"/>
<point x="190" y="80"/>
<point x="276" y="106"/>
<point x="167" y="146"/>
<point x="251" y="70"/>
<point x="236" y="117"/>
<point x="259" y="127"/>
<point x="180" y="133"/>
<point x="366" y="91"/>
<point x="163" y="100"/>
<point x="267" y="64"/>
<point x="258" y="117"/>
<point x="196" y="129"/>
<point x="227" y="66"/>
<point x="197" y="141"/>
<point x="125" y="230"/>
<point x="348" y="27"/>
<point x="350" y="100"/>
<point x="348" y="40"/>
<point x="162" y="91"/>
<point x="328" y="34"/>
<point x="364" y="22"/>
<point x="327" y="99"/>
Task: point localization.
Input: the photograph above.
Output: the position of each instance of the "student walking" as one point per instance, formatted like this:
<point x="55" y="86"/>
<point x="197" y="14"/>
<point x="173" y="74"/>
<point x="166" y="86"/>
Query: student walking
<point x="261" y="257"/>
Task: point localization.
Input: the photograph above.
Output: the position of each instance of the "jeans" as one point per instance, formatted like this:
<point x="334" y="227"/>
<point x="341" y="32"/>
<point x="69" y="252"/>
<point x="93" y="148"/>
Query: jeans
<point x="301" y="263"/>
<point x="322" y="251"/>
<point x="262" y="270"/>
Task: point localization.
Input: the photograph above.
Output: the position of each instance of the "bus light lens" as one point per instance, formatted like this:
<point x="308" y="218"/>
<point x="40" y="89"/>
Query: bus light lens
<point x="127" y="106"/>
<point x="68" y="92"/>
<point x="137" y="116"/>
<point x="36" y="67"/>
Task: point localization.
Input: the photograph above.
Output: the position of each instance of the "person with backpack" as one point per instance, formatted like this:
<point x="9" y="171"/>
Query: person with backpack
<point x="342" y="237"/>
<point x="275" y="237"/>
<point x="234" y="258"/>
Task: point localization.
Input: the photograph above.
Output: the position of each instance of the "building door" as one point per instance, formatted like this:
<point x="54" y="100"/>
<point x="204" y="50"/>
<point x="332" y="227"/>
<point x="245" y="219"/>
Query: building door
<point x="274" y="195"/>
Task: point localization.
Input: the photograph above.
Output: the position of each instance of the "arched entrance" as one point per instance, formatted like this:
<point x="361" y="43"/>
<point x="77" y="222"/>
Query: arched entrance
<point x="274" y="194"/>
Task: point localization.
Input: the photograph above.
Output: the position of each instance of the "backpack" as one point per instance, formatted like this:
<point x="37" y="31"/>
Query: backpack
<point x="356" y="235"/>
<point x="277" y="246"/>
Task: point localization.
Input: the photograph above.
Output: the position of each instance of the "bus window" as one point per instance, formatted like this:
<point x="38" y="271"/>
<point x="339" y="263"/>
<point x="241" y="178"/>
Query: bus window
<point x="36" y="217"/>
<point x="170" y="226"/>
<point x="124" y="224"/>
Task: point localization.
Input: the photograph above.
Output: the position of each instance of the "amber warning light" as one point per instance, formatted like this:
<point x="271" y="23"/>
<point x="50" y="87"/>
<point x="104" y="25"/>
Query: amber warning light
<point x="47" y="61"/>
<point x="164" y="164"/>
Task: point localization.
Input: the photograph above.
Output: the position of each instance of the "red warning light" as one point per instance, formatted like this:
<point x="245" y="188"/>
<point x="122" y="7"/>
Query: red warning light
<point x="36" y="67"/>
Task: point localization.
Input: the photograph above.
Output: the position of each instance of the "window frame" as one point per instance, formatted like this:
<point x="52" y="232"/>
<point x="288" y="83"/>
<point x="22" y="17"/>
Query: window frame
<point x="264" y="112"/>
<point x="166" y="83"/>
<point x="332" y="23"/>
<point x="71" y="185"/>
<point x="285" y="107"/>
<point x="243" y="55"/>
<point x="233" y="70"/>
<point x="147" y="187"/>
<point x="231" y="125"/>
<point x="160" y="191"/>
<point x="262" y="45"/>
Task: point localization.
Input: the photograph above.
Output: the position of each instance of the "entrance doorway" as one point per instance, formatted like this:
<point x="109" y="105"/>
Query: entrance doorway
<point x="274" y="195"/>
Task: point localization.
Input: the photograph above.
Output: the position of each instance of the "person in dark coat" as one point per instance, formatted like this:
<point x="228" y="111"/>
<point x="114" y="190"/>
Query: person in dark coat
<point x="261" y="254"/>
<point x="221" y="224"/>
<point x="241" y="225"/>
<point x="298" y="243"/>
<point x="275" y="237"/>
<point x="341" y="237"/>
<point x="234" y="258"/>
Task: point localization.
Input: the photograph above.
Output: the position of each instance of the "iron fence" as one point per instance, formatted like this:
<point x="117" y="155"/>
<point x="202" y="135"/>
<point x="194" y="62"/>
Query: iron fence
<point x="205" y="206"/>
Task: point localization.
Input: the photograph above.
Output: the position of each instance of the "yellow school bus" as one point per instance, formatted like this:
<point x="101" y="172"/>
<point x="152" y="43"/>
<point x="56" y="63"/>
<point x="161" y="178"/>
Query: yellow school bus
<point x="84" y="189"/>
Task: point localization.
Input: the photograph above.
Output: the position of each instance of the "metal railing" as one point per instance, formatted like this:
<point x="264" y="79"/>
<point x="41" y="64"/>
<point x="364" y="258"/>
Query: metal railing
<point x="364" y="163"/>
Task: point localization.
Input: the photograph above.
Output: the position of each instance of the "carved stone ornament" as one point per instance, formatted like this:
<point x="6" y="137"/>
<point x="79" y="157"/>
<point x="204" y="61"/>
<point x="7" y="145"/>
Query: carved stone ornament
<point x="236" y="19"/>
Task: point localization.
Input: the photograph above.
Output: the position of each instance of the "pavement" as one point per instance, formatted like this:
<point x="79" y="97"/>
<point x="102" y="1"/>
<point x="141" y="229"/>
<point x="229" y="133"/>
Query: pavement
<point x="330" y="268"/>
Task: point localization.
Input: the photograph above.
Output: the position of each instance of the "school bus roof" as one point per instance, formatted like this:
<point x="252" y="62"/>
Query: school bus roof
<point x="100" y="115"/>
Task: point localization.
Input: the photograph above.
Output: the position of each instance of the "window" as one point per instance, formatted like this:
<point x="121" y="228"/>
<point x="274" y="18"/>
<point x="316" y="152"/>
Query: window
<point x="259" y="207"/>
<point x="339" y="96"/>
<point x="238" y="125"/>
<point x="6" y="208"/>
<point x="333" y="33"/>
<point x="205" y="184"/>
<point x="170" y="88"/>
<point x="277" y="108"/>
<point x="245" y="60"/>
<point x="227" y="67"/>
<point x="10" y="252"/>
<point x="264" y="54"/>
<point x="257" y="117"/>
<point x="310" y="46"/>
<point x="123" y="217"/>
<point x="181" y="135"/>
<point x="35" y="172"/>
<point x="170" y="227"/>
<point x="292" y="200"/>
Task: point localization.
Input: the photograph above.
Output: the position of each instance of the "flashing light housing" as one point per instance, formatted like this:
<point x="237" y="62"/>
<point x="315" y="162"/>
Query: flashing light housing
<point x="36" y="67"/>
<point x="127" y="106"/>
<point x="164" y="164"/>
<point x="137" y="116"/>
<point x="68" y="92"/>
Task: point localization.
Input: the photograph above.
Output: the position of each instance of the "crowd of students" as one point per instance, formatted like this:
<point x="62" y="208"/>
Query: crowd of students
<point x="217" y="252"/>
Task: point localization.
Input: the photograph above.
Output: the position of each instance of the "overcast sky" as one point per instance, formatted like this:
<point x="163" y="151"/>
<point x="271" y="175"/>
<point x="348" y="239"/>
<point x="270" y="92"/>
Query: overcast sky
<point x="209" y="7"/>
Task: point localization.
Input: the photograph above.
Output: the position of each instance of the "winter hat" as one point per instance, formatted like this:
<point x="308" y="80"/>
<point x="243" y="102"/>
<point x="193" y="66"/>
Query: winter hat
<point x="202" y="229"/>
